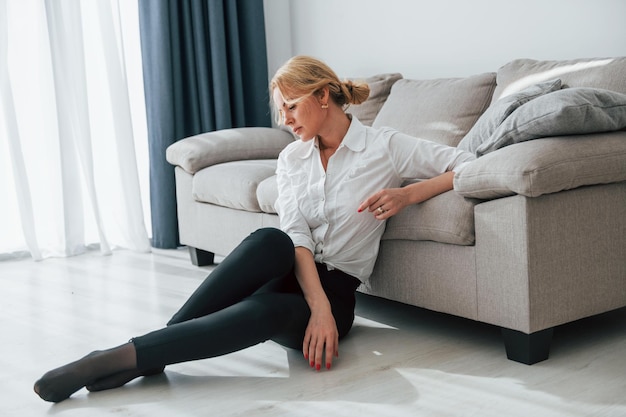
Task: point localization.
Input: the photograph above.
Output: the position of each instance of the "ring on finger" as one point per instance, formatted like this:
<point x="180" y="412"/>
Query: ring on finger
<point x="380" y="210"/>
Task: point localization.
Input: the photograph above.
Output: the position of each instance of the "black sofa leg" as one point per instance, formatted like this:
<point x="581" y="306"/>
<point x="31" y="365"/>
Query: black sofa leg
<point x="201" y="257"/>
<point x="527" y="348"/>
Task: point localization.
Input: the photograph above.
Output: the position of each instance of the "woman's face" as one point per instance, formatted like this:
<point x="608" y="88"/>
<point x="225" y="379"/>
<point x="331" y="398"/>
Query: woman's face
<point x="304" y="118"/>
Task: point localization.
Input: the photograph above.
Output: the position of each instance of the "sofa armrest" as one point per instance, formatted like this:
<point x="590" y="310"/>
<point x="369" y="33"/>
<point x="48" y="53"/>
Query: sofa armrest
<point x="197" y="152"/>
<point x="545" y="166"/>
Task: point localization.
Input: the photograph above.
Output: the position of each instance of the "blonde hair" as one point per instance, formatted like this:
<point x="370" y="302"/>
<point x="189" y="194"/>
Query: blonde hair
<point x="303" y="76"/>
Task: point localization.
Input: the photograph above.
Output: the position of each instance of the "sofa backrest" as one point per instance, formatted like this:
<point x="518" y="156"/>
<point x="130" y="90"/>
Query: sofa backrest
<point x="440" y="110"/>
<point x="444" y="110"/>
<point x="606" y="73"/>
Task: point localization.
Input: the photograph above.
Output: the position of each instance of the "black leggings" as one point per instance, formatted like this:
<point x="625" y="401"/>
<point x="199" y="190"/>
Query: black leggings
<point x="252" y="296"/>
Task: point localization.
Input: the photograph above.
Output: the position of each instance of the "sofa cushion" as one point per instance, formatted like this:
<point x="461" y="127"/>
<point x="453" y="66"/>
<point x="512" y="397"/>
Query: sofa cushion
<point x="571" y="111"/>
<point x="446" y="218"/>
<point x="226" y="145"/>
<point x="232" y="184"/>
<point x="267" y="194"/>
<point x="607" y="73"/>
<point x="441" y="110"/>
<point x="380" y="86"/>
<point x="500" y="110"/>
<point x="545" y="166"/>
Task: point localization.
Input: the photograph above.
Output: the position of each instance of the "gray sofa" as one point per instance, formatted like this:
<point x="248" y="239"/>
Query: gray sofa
<point x="532" y="237"/>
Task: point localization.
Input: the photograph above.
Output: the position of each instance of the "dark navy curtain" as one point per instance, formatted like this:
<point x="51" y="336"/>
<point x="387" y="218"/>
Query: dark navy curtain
<point x="205" y="68"/>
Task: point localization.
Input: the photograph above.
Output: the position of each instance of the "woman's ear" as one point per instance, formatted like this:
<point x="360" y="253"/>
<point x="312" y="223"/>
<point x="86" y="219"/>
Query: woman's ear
<point x="324" y="95"/>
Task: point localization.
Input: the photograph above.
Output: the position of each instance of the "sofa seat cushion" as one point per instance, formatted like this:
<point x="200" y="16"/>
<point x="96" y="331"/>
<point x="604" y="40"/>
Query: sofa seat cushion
<point x="446" y="218"/>
<point x="440" y="110"/>
<point x="232" y="184"/>
<point x="267" y="194"/>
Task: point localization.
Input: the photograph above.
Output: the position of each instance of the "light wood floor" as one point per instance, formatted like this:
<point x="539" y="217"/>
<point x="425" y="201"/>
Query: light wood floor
<point x="397" y="361"/>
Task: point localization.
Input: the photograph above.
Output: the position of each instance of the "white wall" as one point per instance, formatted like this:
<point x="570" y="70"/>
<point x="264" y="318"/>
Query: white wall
<point x="441" y="38"/>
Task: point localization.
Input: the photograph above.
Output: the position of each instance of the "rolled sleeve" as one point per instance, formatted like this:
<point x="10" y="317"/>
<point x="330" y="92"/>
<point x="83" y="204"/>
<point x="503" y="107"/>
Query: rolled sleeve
<point x="292" y="221"/>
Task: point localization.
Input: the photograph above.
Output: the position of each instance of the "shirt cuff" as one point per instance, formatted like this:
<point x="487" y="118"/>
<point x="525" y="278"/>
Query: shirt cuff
<point x="302" y="240"/>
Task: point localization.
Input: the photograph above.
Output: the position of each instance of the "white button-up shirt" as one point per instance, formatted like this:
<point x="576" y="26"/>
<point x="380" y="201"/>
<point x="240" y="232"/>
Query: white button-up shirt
<point x="318" y="209"/>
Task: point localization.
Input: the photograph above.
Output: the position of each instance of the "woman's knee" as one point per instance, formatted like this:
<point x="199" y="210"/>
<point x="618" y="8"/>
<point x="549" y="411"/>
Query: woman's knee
<point x="275" y="243"/>
<point x="273" y="235"/>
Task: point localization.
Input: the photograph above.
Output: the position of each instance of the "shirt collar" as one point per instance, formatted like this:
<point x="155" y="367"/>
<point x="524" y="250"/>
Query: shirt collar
<point x="353" y="140"/>
<point x="356" y="135"/>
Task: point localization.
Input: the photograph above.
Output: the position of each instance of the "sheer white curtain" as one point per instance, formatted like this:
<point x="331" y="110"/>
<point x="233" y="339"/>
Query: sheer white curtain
<point x="71" y="125"/>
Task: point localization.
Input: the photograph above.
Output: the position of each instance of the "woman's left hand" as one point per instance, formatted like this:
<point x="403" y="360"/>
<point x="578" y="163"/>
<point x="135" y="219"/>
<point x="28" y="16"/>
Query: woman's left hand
<point x="385" y="203"/>
<point x="389" y="202"/>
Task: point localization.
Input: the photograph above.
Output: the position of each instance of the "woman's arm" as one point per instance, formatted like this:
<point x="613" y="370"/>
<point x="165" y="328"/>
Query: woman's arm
<point x="321" y="335"/>
<point x="393" y="200"/>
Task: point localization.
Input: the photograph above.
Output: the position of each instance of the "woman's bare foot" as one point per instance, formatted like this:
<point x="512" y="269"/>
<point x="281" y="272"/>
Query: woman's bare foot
<point x="120" y="379"/>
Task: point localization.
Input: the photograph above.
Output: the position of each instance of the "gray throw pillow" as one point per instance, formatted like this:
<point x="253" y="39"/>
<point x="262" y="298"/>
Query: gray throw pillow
<point x="380" y="86"/>
<point x="570" y="111"/>
<point x="500" y="110"/>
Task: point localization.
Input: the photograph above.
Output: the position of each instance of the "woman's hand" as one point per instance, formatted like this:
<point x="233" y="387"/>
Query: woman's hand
<point x="321" y="335"/>
<point x="386" y="203"/>
<point x="321" y="339"/>
<point x="389" y="202"/>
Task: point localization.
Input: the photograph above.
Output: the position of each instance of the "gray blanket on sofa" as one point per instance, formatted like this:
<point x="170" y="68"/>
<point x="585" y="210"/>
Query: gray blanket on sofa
<point x="545" y="110"/>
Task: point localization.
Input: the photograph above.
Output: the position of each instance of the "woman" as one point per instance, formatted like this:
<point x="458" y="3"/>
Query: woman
<point x="296" y="286"/>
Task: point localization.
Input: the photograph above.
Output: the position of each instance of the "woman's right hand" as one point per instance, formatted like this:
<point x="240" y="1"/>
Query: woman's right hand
<point x="321" y="336"/>
<point x="321" y="339"/>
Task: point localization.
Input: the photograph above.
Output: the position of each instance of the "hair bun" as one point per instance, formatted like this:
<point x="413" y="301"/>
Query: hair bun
<point x="355" y="92"/>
